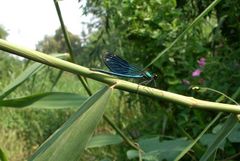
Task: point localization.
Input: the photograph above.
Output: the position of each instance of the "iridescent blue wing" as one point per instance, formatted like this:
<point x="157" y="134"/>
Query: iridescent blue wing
<point x="121" y="67"/>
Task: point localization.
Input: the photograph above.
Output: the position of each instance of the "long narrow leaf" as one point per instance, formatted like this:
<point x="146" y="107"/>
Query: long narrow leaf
<point x="68" y="142"/>
<point x="221" y="136"/>
<point x="48" y="100"/>
<point x="31" y="70"/>
<point x="60" y="73"/>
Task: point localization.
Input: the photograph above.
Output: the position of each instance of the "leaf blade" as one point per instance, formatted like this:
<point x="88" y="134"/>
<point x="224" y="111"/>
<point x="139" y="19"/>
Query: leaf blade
<point x="49" y="100"/>
<point x="70" y="140"/>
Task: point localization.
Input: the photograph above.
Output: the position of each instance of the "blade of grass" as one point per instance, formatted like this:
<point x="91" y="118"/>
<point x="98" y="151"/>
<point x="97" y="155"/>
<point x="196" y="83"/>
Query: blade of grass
<point x="69" y="141"/>
<point x="56" y="79"/>
<point x="48" y="100"/>
<point x="198" y="138"/>
<point x="31" y="70"/>
<point x="27" y="73"/>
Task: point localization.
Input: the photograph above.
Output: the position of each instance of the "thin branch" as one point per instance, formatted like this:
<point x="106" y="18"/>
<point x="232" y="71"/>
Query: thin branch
<point x="67" y="39"/>
<point x="133" y="145"/>
<point x="119" y="84"/>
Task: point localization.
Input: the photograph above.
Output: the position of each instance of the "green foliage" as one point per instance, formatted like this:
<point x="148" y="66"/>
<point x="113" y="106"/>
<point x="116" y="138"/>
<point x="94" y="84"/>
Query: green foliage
<point x="139" y="31"/>
<point x="10" y="67"/>
<point x="30" y="134"/>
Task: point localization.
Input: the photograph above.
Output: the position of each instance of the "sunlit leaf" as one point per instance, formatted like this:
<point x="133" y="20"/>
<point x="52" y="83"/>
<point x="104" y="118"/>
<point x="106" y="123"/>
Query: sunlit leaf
<point x="69" y="141"/>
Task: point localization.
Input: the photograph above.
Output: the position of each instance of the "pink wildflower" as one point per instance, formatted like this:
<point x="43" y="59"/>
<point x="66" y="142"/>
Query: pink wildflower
<point x="196" y="73"/>
<point x="201" y="62"/>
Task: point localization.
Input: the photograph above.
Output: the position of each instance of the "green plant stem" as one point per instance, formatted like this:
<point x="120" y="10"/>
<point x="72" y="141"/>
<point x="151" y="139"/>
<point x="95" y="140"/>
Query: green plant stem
<point x="118" y="83"/>
<point x="67" y="39"/>
<point x="83" y="80"/>
<point x="122" y="134"/>
<point x="196" y="20"/>
<point x="218" y="92"/>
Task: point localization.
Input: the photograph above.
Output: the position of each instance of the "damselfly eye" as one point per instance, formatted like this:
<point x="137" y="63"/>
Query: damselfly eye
<point x="155" y="76"/>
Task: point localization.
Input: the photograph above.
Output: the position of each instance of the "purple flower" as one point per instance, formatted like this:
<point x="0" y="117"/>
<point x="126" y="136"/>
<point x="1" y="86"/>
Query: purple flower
<point x="201" y="62"/>
<point x="196" y="73"/>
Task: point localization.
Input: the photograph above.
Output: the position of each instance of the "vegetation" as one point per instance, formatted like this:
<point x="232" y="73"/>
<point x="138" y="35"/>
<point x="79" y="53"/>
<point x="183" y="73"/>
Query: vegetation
<point x="166" y="37"/>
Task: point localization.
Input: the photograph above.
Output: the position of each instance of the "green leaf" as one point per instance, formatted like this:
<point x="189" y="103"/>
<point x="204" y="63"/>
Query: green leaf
<point x="103" y="140"/>
<point x="234" y="136"/>
<point x="3" y="156"/>
<point x="207" y="139"/>
<point x="48" y="100"/>
<point x="69" y="141"/>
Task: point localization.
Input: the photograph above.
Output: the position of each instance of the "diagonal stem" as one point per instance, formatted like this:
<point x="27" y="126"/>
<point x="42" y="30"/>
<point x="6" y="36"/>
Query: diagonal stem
<point x="119" y="84"/>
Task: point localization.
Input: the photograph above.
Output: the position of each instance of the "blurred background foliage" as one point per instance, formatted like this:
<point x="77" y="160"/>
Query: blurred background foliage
<point x="137" y="31"/>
